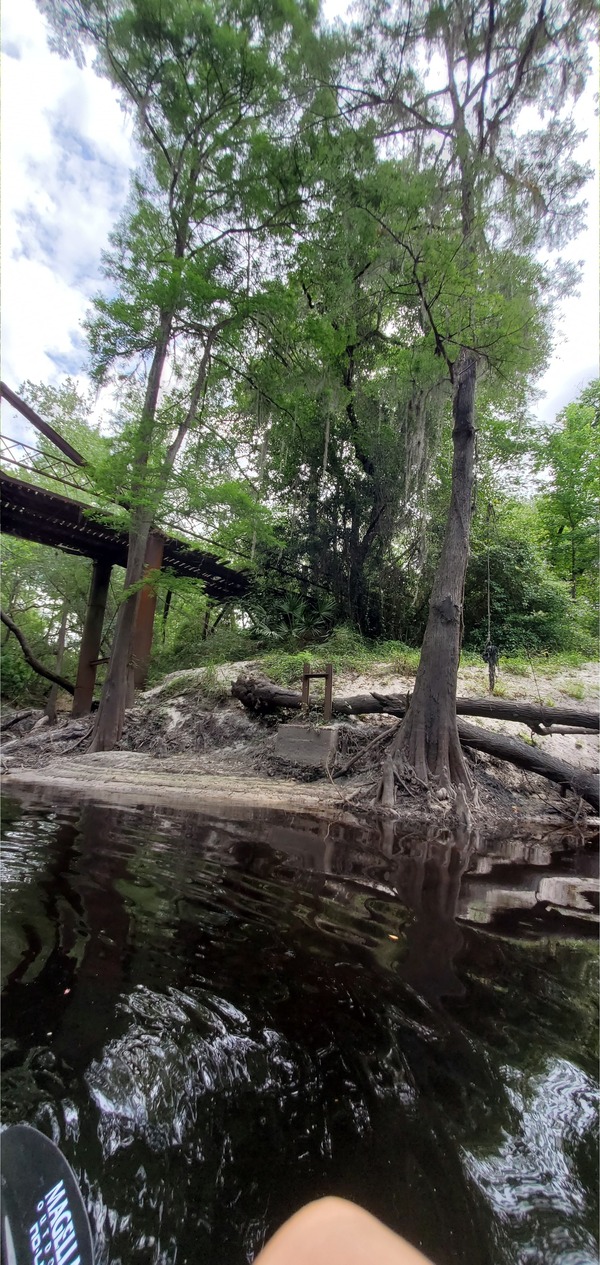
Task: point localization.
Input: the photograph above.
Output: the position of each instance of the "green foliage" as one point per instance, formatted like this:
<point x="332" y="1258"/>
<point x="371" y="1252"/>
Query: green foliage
<point x="347" y="651"/>
<point x="207" y="684"/>
<point x="573" y="689"/>
<point x="569" y="509"/>
<point x="68" y="409"/>
<point x="290" y="618"/>
<point x="184" y="647"/>
<point x="530" y="608"/>
<point x="18" y="683"/>
<point x="36" y="583"/>
<point x="297" y="271"/>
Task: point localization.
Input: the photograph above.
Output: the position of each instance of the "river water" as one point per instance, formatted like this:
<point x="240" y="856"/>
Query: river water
<point x="220" y="1020"/>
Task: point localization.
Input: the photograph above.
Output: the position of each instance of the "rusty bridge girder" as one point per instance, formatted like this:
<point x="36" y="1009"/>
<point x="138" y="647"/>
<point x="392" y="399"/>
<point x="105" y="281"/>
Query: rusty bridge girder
<point x="32" y="511"/>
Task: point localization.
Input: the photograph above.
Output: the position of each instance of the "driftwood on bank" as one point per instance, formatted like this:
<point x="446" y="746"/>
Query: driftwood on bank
<point x="262" y="695"/>
<point x="520" y="753"/>
<point x="48" y="735"/>
<point x="18" y="717"/>
<point x="258" y="694"/>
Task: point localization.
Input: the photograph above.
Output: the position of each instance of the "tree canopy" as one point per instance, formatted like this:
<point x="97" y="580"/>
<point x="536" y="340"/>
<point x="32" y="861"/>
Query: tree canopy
<point x="325" y="309"/>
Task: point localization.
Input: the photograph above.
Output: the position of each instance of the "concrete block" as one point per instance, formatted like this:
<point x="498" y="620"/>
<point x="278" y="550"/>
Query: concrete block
<point x="303" y="744"/>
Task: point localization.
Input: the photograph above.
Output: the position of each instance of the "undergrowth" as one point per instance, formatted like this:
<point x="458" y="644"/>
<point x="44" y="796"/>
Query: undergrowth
<point x="346" y="651"/>
<point x="573" y="689"/>
<point x="344" y="648"/>
<point x="543" y="664"/>
<point x="205" y="682"/>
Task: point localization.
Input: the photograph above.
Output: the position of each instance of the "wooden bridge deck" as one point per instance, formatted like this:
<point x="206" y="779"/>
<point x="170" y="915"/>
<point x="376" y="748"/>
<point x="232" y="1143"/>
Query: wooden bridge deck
<point x="48" y="518"/>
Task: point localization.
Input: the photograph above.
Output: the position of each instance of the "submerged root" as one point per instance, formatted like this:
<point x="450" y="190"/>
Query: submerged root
<point x="386" y="793"/>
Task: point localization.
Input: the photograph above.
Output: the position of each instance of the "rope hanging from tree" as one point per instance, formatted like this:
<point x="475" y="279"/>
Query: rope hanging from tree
<point x="491" y="653"/>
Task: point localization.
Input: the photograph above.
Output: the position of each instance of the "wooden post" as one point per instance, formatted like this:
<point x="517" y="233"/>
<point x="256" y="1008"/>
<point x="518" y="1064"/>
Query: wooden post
<point x="305" y="688"/>
<point x="327" y="705"/>
<point x="144" y="619"/>
<point x="327" y="676"/>
<point x="91" y="638"/>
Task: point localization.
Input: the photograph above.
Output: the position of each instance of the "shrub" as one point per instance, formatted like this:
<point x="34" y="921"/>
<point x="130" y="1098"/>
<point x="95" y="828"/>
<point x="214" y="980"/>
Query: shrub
<point x="19" y="683"/>
<point x="530" y="608"/>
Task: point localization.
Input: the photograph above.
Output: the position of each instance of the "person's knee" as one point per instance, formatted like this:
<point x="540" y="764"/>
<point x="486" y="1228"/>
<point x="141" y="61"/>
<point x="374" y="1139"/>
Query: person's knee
<point x="333" y="1231"/>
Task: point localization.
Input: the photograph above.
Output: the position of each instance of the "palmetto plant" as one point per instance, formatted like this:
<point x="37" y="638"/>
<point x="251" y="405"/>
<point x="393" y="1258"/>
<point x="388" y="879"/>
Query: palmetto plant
<point x="294" y="618"/>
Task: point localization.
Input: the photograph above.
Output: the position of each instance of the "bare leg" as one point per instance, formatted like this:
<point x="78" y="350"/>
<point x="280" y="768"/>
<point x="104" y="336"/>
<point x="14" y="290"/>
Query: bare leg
<point x="335" y="1232"/>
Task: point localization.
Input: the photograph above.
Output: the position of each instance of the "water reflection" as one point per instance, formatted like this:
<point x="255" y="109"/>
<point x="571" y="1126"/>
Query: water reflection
<point x="220" y="1020"/>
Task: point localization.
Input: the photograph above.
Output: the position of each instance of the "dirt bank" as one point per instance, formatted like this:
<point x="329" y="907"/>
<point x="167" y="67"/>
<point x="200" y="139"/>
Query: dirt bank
<point x="188" y="742"/>
<point x="134" y="779"/>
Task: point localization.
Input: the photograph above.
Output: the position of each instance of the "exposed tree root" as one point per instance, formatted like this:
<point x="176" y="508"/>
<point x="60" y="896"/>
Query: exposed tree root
<point x="386" y="736"/>
<point x="440" y="764"/>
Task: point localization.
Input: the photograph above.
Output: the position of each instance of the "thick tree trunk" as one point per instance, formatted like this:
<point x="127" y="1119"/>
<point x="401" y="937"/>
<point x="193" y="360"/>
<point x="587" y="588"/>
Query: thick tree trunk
<point x="118" y="684"/>
<point x="428" y="740"/>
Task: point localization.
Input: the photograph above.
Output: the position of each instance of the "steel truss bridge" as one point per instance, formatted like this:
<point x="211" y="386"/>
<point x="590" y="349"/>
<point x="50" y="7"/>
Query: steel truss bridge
<point x="32" y="508"/>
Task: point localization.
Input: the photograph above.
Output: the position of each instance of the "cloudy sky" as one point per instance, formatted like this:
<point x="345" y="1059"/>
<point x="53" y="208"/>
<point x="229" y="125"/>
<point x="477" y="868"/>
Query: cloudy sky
<point x="67" y="152"/>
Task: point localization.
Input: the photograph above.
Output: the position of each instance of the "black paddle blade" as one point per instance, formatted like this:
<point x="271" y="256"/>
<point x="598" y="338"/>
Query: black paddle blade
<point x="44" y="1221"/>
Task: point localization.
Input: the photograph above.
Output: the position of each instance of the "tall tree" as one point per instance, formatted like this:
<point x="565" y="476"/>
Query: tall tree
<point x="486" y="67"/>
<point x="216" y="88"/>
<point x="343" y="381"/>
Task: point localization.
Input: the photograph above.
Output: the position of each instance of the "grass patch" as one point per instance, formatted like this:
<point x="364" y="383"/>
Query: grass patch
<point x="178" y="687"/>
<point x="347" y="651"/>
<point x="542" y="664"/>
<point x="213" y="687"/>
<point x="501" y="691"/>
<point x="344" y="648"/>
<point x="552" y="664"/>
<point x="205" y="682"/>
<point x="516" y="666"/>
<point x="573" y="689"/>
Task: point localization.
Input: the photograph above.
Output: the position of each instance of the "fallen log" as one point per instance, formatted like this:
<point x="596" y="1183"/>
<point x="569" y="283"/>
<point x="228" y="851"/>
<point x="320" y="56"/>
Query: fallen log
<point x="520" y="753"/>
<point x="262" y="695"/>
<point x="46" y="736"/>
<point x="259" y="694"/>
<point x="18" y="717"/>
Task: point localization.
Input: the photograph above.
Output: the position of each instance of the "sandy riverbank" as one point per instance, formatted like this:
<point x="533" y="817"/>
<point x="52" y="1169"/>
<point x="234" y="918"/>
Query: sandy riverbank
<point x="184" y="747"/>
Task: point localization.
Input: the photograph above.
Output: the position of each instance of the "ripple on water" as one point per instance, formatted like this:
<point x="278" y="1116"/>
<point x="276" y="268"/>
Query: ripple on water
<point x="215" y="1030"/>
<point x="531" y="1181"/>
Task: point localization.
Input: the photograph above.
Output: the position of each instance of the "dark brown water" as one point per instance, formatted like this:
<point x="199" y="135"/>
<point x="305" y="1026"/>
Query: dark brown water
<point x="218" y="1021"/>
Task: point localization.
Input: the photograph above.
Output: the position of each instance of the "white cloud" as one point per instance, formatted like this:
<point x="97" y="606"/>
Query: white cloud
<point x="575" y="358"/>
<point x="67" y="154"/>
